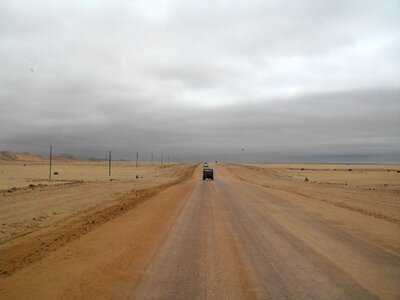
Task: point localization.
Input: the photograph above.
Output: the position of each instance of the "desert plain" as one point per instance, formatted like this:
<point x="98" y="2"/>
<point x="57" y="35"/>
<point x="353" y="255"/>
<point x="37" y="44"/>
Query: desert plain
<point x="326" y="231"/>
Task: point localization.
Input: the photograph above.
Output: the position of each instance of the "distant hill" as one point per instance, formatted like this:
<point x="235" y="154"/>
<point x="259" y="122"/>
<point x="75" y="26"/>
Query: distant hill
<point x="64" y="156"/>
<point x="22" y="156"/>
<point x="28" y="156"/>
<point x="97" y="159"/>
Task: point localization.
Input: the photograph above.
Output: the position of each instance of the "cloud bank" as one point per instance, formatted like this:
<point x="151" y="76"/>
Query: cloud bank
<point x="200" y="80"/>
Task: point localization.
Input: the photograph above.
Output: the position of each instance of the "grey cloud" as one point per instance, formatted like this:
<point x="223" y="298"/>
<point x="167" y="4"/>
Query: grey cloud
<point x="365" y="122"/>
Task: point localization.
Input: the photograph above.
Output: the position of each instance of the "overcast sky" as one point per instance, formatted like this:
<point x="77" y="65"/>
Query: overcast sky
<point x="202" y="80"/>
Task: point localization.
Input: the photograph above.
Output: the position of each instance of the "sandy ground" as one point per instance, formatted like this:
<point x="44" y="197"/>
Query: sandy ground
<point x="367" y="189"/>
<point x="41" y="218"/>
<point x="21" y="174"/>
<point x="256" y="232"/>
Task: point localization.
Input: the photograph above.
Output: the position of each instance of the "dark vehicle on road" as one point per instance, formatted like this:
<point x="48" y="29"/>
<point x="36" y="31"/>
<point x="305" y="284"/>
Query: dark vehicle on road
<point x="208" y="174"/>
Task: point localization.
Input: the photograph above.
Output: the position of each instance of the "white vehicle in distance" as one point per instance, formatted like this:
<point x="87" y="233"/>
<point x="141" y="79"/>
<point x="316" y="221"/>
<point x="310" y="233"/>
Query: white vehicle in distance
<point x="205" y="165"/>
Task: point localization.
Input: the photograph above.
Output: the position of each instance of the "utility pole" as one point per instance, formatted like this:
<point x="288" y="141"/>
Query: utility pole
<point x="161" y="160"/>
<point x="137" y="158"/>
<point x="50" y="158"/>
<point x="168" y="159"/>
<point x="151" y="158"/>
<point x="109" y="163"/>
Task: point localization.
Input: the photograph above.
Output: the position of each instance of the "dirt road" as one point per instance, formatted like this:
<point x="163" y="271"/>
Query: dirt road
<point x="222" y="239"/>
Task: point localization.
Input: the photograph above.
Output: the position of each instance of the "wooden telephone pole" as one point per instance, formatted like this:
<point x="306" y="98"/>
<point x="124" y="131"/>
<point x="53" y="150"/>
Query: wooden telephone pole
<point x="50" y="158"/>
<point x="109" y="163"/>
